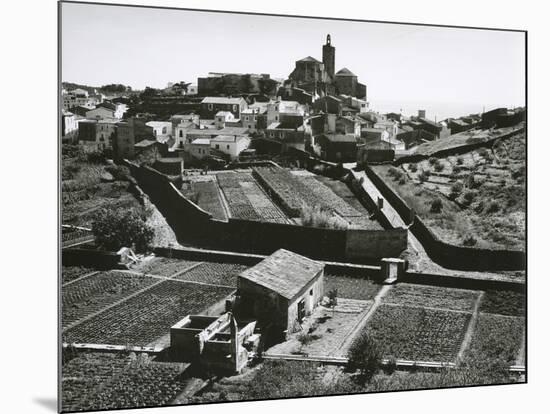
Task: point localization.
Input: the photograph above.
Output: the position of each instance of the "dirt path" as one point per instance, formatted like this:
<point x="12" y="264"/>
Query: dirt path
<point x="470" y="330"/>
<point x="79" y="279"/>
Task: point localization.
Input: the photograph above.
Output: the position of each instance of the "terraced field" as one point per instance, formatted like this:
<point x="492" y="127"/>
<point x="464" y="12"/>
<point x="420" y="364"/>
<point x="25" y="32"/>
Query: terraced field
<point x="208" y="198"/>
<point x="164" y="266"/>
<point x="418" y="334"/>
<point x="107" y="381"/>
<point x="503" y="302"/>
<point x="93" y="293"/>
<point x="147" y="316"/>
<point x="224" y="274"/>
<point x="432" y="296"/>
<point x="350" y="287"/>
<point x="497" y="338"/>
<point x="240" y="206"/>
<point x="70" y="273"/>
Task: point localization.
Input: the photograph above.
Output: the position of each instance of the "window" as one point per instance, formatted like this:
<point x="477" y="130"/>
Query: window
<point x="164" y="130"/>
<point x="249" y="126"/>
<point x="181" y="133"/>
<point x="217" y="146"/>
<point x="311" y="292"/>
<point x="210" y="107"/>
<point x="227" y="146"/>
<point x="234" y="108"/>
<point x="276" y="118"/>
<point x="246" y="118"/>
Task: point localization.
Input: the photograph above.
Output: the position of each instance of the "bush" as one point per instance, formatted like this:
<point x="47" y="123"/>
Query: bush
<point x="438" y="166"/>
<point x="433" y="160"/>
<point x="468" y="197"/>
<point x="391" y="366"/>
<point x="469" y="241"/>
<point x="118" y="228"/>
<point x="365" y="355"/>
<point x="317" y="217"/>
<point x="413" y="167"/>
<point x="396" y="173"/>
<point x="436" y="206"/>
<point x="460" y="161"/>
<point x="424" y="175"/>
<point x="456" y="169"/>
<point x="479" y="207"/>
<point x="456" y="189"/>
<point x="472" y="182"/>
<point x="493" y="207"/>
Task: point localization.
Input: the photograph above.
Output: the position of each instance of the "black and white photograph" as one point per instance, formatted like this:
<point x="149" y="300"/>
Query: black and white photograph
<point x="260" y="206"/>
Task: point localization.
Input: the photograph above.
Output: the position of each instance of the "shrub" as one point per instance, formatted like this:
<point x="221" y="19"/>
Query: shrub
<point x="438" y="166"/>
<point x="456" y="189"/>
<point x="317" y="217"/>
<point x="433" y="160"/>
<point x="424" y="175"/>
<point x="493" y="207"/>
<point x="460" y="161"/>
<point x="391" y="366"/>
<point x="118" y="228"/>
<point x="395" y="173"/>
<point x="456" y="169"/>
<point x="402" y="180"/>
<point x="436" y="206"/>
<point x="469" y="241"/>
<point x="483" y="152"/>
<point x="468" y="197"/>
<point x="472" y="182"/>
<point x="365" y="355"/>
<point x="413" y="167"/>
<point x="479" y="207"/>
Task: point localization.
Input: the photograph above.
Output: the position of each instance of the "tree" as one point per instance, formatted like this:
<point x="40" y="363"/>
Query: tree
<point x="365" y="355"/>
<point x="118" y="228"/>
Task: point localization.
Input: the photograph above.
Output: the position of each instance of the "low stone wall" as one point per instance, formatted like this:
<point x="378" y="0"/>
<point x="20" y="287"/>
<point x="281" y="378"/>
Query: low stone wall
<point x="97" y="259"/>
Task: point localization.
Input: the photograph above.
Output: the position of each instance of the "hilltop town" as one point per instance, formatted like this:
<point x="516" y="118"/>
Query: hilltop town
<point x="247" y="237"/>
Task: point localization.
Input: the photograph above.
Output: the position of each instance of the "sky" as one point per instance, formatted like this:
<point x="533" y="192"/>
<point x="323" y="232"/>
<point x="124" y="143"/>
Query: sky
<point x="447" y="71"/>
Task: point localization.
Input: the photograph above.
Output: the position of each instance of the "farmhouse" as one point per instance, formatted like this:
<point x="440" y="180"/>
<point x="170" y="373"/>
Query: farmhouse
<point x="282" y="289"/>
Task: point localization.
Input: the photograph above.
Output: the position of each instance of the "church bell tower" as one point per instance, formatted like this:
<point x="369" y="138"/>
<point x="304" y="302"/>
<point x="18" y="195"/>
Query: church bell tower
<point x="328" y="57"/>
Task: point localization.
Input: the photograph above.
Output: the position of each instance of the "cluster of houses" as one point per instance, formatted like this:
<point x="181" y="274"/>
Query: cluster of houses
<point x="229" y="116"/>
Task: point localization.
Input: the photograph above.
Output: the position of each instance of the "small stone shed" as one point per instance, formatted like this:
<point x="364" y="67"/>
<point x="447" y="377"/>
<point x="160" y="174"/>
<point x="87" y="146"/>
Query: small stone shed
<point x="282" y="289"/>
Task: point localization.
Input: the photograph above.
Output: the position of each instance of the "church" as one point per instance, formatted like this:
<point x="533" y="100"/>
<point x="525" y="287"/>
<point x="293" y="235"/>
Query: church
<point x="319" y="78"/>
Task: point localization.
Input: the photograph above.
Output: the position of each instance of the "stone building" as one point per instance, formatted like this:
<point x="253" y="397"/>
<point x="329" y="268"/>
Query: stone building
<point x="281" y="290"/>
<point x="220" y="343"/>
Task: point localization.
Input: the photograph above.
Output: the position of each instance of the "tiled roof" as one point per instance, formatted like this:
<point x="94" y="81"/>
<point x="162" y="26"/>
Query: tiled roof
<point x="144" y="143"/>
<point x="201" y="141"/>
<point x="284" y="272"/>
<point x="309" y="59"/>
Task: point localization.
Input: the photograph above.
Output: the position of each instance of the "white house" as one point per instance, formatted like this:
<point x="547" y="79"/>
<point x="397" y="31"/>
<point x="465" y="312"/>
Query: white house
<point x="162" y="130"/>
<point x="222" y="117"/>
<point x="107" y="110"/>
<point x="69" y="123"/>
<point x="231" y="145"/>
